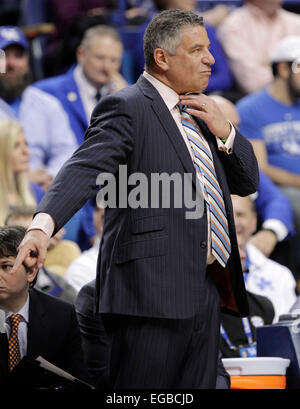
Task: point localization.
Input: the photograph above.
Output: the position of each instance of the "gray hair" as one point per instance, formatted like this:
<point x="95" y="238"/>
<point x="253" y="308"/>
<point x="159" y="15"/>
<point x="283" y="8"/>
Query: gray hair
<point x="99" y="31"/>
<point x="164" y="32"/>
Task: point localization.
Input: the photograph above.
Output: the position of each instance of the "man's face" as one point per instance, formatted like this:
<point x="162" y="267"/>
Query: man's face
<point x="17" y="75"/>
<point x="190" y="68"/>
<point x="100" y="59"/>
<point x="17" y="63"/>
<point x="245" y="219"/>
<point x="13" y="286"/>
<point x="293" y="83"/>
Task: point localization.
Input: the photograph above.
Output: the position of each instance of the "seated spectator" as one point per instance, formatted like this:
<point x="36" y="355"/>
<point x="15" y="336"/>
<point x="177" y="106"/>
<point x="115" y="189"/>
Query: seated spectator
<point x="275" y="215"/>
<point x="238" y="335"/>
<point x="15" y="187"/>
<point x="47" y="281"/>
<point x="96" y="74"/>
<point x="83" y="269"/>
<point x="47" y="130"/>
<point x="266" y="277"/>
<point x="32" y="318"/>
<point x="249" y="34"/>
<point x="270" y="118"/>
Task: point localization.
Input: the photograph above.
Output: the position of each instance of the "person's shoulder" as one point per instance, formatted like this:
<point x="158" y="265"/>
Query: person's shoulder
<point x="50" y="301"/>
<point x="289" y="16"/>
<point x="86" y="297"/>
<point x="51" y="83"/>
<point x="236" y="16"/>
<point x="265" y="263"/>
<point x="126" y="100"/>
<point x="88" y="289"/>
<point x="39" y="99"/>
<point x="252" y="101"/>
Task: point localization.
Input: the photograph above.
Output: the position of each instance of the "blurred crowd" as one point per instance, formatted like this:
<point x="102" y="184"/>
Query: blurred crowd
<point x="61" y="57"/>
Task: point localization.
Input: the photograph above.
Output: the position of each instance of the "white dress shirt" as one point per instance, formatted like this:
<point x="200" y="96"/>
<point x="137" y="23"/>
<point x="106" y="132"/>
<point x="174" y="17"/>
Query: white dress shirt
<point x="22" y="328"/>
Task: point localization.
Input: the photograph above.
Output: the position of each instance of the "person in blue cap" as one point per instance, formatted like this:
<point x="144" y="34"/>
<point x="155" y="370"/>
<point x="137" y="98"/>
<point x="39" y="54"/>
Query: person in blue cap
<point x="47" y="129"/>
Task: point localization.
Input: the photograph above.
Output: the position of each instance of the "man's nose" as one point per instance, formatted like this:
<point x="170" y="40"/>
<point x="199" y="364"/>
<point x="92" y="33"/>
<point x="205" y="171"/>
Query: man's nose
<point x="209" y="58"/>
<point x="10" y="62"/>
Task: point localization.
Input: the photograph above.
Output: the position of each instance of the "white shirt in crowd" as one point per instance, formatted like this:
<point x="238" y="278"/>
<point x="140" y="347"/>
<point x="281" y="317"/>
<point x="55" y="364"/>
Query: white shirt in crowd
<point x="83" y="269"/>
<point x="272" y="280"/>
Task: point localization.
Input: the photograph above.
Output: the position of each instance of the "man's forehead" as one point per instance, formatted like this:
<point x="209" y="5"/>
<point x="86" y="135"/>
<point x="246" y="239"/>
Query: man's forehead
<point x="16" y="48"/>
<point x="103" y="41"/>
<point x="197" y="34"/>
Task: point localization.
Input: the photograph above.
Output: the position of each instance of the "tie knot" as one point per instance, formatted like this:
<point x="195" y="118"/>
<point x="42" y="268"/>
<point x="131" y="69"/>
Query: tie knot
<point x="15" y="320"/>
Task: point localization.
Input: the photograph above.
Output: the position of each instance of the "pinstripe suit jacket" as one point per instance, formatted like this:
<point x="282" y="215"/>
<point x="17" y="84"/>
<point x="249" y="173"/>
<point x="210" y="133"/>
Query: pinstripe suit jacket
<point x="152" y="261"/>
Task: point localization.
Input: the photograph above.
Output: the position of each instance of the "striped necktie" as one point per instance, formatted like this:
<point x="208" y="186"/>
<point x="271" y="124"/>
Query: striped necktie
<point x="13" y="342"/>
<point x="213" y="195"/>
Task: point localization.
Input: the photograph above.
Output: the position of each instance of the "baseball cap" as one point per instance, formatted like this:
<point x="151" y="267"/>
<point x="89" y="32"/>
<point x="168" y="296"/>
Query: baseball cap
<point x="288" y="49"/>
<point x="12" y="35"/>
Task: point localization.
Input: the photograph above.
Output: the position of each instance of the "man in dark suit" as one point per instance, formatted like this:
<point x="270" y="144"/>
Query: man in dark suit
<point x="47" y="326"/>
<point x="161" y="280"/>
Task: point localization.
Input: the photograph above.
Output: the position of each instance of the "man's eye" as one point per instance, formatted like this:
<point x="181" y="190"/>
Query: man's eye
<point x="6" y="267"/>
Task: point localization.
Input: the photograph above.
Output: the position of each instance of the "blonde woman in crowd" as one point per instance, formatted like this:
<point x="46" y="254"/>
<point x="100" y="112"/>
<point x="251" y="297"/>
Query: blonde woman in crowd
<point x="15" y="188"/>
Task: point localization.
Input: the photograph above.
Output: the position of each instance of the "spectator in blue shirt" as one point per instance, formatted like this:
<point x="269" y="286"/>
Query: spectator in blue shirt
<point x="270" y="118"/>
<point x="273" y="208"/>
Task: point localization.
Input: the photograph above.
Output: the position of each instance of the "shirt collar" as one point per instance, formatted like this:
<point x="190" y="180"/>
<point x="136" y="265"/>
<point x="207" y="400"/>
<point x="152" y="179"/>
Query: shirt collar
<point x="170" y="97"/>
<point x="24" y="311"/>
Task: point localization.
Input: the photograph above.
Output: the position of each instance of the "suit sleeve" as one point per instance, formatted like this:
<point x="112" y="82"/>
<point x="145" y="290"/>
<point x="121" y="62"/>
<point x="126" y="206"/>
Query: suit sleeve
<point x="241" y="167"/>
<point x="108" y="143"/>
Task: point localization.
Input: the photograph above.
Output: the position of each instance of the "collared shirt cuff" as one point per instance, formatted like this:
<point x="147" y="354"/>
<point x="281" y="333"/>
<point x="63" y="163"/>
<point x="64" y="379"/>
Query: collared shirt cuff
<point x="228" y="145"/>
<point x="44" y="222"/>
<point x="277" y="226"/>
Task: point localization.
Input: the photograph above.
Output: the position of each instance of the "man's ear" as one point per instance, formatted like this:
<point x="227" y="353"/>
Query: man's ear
<point x="161" y="58"/>
<point x="79" y="53"/>
<point x="32" y="273"/>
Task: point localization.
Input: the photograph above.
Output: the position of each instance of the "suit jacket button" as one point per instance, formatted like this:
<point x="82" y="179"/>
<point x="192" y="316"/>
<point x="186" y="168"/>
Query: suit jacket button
<point x="203" y="244"/>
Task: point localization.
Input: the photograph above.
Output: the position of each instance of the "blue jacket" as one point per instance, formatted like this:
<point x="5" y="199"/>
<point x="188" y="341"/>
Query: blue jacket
<point x="64" y="88"/>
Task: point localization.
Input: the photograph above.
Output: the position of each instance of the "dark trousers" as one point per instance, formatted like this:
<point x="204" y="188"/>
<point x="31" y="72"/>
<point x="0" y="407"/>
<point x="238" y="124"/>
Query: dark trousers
<point x="158" y="353"/>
